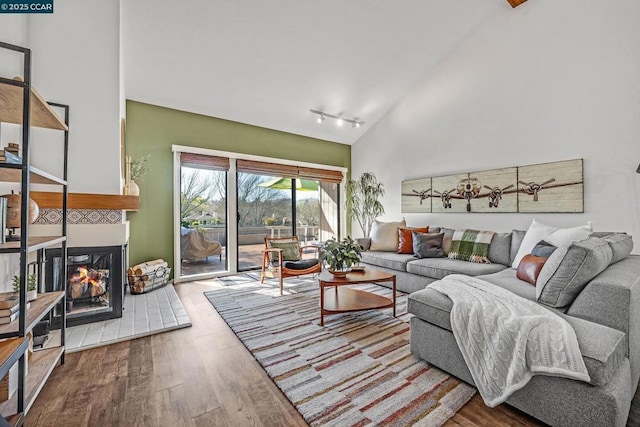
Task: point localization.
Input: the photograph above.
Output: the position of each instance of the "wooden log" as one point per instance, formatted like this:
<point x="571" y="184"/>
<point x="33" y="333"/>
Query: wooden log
<point x="146" y="267"/>
<point x="77" y="289"/>
<point x="150" y="269"/>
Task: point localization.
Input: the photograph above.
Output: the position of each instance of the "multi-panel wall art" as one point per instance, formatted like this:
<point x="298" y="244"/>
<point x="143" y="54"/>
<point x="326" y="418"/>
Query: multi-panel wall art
<point x="547" y="187"/>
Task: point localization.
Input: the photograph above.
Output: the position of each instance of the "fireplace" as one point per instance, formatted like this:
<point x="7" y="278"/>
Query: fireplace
<point x="95" y="289"/>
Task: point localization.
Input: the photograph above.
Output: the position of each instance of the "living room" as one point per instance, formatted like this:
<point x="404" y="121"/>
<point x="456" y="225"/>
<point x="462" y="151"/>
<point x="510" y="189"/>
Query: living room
<point x="462" y="87"/>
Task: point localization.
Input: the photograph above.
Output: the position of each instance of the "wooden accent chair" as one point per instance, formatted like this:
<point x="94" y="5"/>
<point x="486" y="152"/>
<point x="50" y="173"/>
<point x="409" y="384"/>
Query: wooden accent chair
<point x="282" y="257"/>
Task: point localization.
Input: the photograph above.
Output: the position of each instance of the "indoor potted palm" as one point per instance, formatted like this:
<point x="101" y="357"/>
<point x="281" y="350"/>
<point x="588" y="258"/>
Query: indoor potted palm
<point x="363" y="203"/>
<point x="339" y="256"/>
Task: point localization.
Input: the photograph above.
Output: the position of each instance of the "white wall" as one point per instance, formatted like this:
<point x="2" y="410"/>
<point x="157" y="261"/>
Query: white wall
<point x="551" y="80"/>
<point x="76" y="61"/>
<point x="13" y="29"/>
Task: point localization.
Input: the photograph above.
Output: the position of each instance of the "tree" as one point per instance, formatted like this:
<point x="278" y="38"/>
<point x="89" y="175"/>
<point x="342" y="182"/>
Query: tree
<point x="256" y="203"/>
<point x="198" y="188"/>
<point x="363" y="203"/>
<point x="308" y="211"/>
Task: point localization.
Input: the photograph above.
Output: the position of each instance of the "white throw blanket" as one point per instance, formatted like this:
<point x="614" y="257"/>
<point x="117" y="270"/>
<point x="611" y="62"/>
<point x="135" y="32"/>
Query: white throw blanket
<point x="506" y="339"/>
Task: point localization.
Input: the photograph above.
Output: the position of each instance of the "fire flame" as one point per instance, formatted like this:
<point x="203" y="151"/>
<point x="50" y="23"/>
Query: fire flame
<point x="82" y="276"/>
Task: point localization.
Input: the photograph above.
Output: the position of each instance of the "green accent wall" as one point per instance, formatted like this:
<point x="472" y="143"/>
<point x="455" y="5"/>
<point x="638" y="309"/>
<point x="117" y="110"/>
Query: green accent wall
<point x="151" y="129"/>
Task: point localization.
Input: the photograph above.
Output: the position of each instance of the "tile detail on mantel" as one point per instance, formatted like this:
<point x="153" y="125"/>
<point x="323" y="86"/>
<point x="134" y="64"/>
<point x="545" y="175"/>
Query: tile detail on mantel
<point x="80" y="216"/>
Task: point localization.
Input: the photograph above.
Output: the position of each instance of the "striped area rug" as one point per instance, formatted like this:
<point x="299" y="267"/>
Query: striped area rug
<point x="357" y="370"/>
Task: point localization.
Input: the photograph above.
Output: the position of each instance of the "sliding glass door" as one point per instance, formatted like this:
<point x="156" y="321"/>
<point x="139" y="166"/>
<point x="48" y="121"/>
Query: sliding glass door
<point x="203" y="215"/>
<point x="282" y="207"/>
<point x="226" y="207"/>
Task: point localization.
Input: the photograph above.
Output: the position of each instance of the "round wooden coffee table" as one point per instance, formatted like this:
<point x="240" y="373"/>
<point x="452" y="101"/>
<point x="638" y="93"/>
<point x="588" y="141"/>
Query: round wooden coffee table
<point x="342" y="299"/>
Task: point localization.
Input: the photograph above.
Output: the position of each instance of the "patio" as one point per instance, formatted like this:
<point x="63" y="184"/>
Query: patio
<point x="250" y="258"/>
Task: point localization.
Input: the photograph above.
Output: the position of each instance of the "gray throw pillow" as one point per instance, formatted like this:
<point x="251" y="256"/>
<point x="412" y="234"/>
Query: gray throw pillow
<point x="500" y="249"/>
<point x="543" y="249"/>
<point x="516" y="240"/>
<point x="621" y="245"/>
<point x="427" y="245"/>
<point x="569" y="269"/>
<point x="446" y="240"/>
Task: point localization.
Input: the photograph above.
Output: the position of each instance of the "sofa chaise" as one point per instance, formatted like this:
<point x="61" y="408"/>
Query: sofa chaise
<point x="605" y="315"/>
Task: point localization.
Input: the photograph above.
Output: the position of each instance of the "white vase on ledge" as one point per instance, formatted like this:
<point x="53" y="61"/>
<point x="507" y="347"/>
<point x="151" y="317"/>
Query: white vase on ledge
<point x="133" y="189"/>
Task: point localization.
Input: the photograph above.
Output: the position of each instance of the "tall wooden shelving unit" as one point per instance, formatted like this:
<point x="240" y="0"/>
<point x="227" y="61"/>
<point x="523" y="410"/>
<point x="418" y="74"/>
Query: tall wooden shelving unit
<point x="21" y="104"/>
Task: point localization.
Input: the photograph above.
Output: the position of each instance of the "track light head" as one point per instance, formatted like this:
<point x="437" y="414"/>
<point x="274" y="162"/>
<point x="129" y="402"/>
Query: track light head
<point x="340" y="122"/>
<point x="321" y="118"/>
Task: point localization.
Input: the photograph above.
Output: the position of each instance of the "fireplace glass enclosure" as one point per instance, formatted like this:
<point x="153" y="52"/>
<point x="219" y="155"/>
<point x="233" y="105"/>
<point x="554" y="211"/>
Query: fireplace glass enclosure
<point x="95" y="287"/>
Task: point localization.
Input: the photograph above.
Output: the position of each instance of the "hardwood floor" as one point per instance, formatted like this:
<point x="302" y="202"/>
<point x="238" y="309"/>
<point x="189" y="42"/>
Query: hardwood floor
<point x="198" y="376"/>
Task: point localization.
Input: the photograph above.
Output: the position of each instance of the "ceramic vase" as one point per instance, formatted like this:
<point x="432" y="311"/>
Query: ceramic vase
<point x="133" y="189"/>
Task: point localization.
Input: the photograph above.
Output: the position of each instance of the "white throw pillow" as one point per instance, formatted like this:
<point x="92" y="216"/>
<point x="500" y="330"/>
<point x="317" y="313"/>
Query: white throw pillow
<point x="566" y="236"/>
<point x="537" y="231"/>
<point x="384" y="235"/>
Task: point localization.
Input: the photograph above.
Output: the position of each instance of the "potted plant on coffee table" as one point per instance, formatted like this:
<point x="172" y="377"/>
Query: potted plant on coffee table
<point x="339" y="256"/>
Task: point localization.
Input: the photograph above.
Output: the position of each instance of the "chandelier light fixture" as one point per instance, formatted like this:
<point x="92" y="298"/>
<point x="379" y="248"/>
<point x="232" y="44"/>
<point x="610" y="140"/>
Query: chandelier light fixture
<point x="355" y="122"/>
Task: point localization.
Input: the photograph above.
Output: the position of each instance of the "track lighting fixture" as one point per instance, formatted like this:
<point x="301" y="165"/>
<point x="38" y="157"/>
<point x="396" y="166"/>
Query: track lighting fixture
<point x="355" y="122"/>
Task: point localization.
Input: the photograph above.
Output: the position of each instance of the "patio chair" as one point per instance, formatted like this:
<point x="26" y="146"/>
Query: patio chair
<point x="282" y="257"/>
<point x="195" y="246"/>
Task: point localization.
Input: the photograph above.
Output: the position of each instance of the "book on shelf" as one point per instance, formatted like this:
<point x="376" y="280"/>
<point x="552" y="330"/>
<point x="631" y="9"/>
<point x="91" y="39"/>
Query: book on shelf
<point x="5" y="312"/>
<point x="12" y="158"/>
<point x="8" y="319"/>
<point x="8" y="300"/>
<point x="13" y="147"/>
<point x="9" y="311"/>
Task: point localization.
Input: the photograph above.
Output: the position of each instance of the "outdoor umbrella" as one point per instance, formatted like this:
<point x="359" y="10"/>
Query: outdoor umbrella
<point x="281" y="183"/>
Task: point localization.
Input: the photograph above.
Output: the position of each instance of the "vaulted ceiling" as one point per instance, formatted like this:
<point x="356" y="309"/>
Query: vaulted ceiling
<point x="266" y="63"/>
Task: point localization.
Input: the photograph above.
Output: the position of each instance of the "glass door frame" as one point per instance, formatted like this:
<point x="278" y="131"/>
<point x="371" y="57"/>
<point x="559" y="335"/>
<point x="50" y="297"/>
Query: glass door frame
<point x="232" y="205"/>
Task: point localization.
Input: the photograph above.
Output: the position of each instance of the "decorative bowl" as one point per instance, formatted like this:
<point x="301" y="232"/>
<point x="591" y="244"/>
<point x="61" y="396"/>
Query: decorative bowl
<point x="340" y="273"/>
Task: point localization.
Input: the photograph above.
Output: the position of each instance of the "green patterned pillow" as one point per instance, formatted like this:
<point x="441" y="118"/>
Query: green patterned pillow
<point x="471" y="245"/>
<point x="290" y="251"/>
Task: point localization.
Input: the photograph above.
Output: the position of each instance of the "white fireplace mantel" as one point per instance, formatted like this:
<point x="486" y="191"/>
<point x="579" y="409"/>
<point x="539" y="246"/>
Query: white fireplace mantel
<point x="86" y="235"/>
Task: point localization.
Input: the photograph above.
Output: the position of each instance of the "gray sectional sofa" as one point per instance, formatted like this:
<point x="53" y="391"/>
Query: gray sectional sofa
<point x="605" y="315"/>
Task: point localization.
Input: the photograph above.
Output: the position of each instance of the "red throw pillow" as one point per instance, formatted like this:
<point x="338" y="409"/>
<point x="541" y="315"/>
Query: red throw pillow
<point x="405" y="241"/>
<point x="529" y="268"/>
